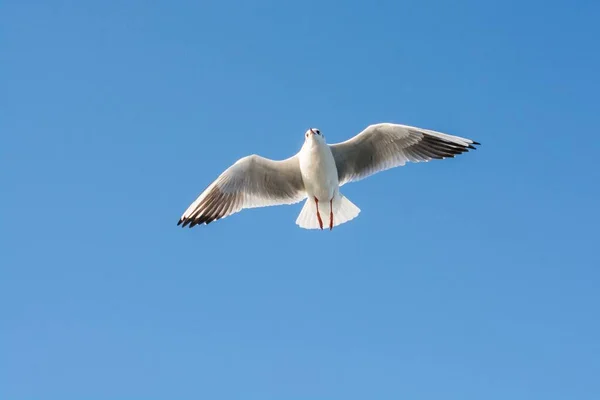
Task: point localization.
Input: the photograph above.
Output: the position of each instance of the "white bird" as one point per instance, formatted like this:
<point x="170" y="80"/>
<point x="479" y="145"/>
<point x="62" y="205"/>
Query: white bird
<point x="317" y="172"/>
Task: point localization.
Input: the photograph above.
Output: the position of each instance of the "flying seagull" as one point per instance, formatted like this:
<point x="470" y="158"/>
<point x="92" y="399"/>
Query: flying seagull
<point x="317" y="172"/>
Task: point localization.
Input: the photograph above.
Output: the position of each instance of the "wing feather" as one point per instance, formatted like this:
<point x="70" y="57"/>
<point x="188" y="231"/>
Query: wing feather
<point x="252" y="181"/>
<point x="384" y="146"/>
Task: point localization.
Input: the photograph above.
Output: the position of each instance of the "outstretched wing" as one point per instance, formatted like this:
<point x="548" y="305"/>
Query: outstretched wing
<point x="384" y="146"/>
<point x="253" y="181"/>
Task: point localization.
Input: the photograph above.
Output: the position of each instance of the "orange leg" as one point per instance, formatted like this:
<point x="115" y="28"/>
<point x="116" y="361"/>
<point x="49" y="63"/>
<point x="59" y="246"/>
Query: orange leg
<point x="331" y="214"/>
<point x="319" y="214"/>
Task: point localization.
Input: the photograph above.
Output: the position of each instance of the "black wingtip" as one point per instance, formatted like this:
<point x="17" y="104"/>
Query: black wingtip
<point x="477" y="143"/>
<point x="180" y="221"/>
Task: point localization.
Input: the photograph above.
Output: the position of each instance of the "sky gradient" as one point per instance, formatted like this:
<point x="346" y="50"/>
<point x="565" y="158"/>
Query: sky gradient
<point x="471" y="278"/>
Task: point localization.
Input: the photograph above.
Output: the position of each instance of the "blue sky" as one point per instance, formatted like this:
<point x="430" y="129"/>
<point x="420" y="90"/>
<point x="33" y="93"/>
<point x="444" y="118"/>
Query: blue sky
<point x="469" y="278"/>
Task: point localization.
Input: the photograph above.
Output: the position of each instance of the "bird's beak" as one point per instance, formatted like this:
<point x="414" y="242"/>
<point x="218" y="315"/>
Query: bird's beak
<point x="311" y="131"/>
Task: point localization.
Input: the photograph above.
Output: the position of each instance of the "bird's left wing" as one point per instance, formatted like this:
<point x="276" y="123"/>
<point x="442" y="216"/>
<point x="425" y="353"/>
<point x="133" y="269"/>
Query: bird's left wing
<point x="383" y="146"/>
<point x="253" y="181"/>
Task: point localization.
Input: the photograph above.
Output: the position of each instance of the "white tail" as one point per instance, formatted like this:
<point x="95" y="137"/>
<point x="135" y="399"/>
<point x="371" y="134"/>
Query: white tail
<point x="343" y="211"/>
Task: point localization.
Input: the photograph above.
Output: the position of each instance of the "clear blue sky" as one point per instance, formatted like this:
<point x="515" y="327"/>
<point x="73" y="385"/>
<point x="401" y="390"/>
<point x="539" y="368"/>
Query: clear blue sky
<point x="472" y="278"/>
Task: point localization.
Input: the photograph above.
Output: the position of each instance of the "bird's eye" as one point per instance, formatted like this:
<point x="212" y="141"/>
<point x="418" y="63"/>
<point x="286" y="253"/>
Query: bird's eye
<point x="318" y="132"/>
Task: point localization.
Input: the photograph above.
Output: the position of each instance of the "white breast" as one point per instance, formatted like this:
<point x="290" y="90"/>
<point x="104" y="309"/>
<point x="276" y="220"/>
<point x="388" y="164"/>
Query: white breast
<point x="318" y="169"/>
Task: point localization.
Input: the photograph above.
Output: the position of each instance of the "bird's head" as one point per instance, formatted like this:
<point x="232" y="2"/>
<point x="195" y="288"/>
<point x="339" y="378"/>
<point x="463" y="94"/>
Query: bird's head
<point x="314" y="134"/>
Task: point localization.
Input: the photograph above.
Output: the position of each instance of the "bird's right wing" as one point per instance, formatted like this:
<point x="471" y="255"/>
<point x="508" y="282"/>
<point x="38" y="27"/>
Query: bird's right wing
<point x="383" y="146"/>
<point x="252" y="181"/>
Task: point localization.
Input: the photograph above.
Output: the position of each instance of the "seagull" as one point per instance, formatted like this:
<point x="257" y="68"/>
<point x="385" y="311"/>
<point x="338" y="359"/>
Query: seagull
<point x="317" y="172"/>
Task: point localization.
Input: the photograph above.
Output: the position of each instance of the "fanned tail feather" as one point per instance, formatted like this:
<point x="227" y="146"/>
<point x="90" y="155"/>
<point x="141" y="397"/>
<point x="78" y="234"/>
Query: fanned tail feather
<point x="343" y="211"/>
<point x="307" y="218"/>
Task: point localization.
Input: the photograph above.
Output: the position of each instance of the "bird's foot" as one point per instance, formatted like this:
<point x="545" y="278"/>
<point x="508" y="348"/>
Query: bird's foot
<point x="319" y="214"/>
<point x="331" y="214"/>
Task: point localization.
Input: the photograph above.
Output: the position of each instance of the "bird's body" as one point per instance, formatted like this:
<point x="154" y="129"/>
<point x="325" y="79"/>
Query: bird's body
<point x="316" y="173"/>
<point x="320" y="177"/>
<point x="318" y="169"/>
